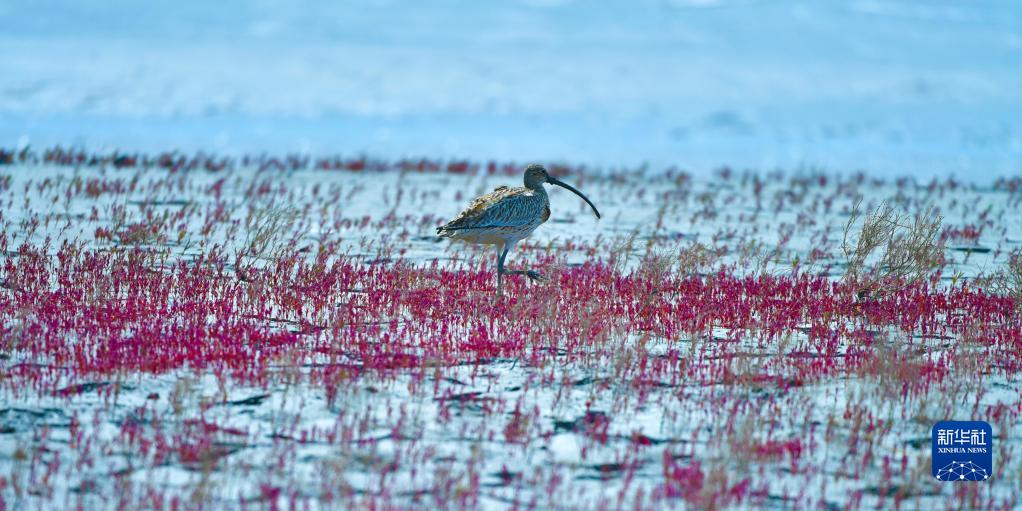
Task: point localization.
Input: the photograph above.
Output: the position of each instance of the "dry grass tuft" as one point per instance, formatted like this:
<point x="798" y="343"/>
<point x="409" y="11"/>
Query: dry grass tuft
<point x="696" y="258"/>
<point x="1013" y="277"/>
<point x="1008" y="281"/>
<point x="892" y="247"/>
<point x="268" y="232"/>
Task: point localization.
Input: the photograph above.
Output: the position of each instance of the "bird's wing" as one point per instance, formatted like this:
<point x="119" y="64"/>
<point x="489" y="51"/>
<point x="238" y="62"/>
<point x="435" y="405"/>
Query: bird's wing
<point x="503" y="207"/>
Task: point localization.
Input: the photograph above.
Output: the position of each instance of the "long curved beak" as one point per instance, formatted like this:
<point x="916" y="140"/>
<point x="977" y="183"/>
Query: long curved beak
<point x="562" y="184"/>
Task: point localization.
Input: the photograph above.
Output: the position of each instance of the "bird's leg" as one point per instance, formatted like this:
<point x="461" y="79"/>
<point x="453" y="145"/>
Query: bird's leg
<point x="500" y="266"/>
<point x="533" y="275"/>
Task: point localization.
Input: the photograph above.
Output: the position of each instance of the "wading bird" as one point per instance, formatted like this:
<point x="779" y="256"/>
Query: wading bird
<point x="506" y="216"/>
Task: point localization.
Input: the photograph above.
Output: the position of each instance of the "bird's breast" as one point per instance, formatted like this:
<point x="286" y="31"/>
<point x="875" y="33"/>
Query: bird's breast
<point x="546" y="213"/>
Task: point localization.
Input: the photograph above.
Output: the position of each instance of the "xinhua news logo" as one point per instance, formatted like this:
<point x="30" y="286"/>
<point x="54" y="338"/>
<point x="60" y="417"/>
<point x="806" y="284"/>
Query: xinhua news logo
<point x="962" y="451"/>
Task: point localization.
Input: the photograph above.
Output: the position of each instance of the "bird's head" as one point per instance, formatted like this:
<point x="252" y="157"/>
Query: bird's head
<point x="536" y="175"/>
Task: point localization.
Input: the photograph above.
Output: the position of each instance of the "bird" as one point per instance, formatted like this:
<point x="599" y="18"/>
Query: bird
<point x="508" y="215"/>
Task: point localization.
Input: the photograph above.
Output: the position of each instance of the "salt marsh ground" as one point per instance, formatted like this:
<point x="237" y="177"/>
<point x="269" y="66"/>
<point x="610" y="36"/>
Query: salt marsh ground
<point x="187" y="331"/>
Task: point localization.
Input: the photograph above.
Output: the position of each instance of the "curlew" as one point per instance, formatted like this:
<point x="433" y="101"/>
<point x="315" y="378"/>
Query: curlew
<point x="506" y="216"/>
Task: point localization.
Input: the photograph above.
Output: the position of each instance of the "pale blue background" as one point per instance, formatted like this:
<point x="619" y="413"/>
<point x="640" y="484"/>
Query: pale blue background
<point x="908" y="87"/>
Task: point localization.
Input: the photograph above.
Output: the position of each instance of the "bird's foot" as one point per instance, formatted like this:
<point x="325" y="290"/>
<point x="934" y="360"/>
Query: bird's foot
<point x="535" y="276"/>
<point x="531" y="274"/>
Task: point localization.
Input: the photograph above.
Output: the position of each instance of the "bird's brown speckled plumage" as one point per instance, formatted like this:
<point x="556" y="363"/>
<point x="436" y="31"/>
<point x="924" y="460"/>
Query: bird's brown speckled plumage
<point x="501" y="214"/>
